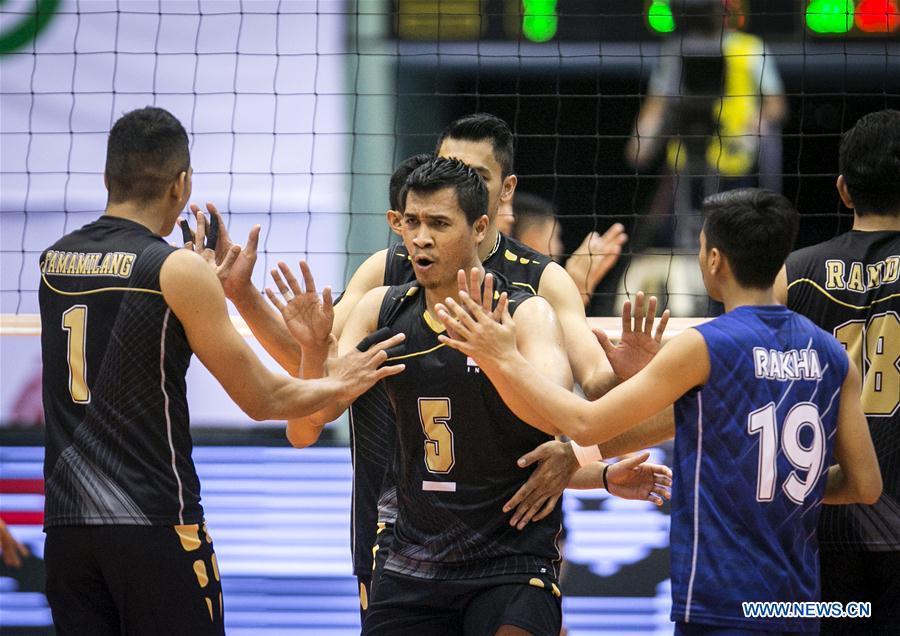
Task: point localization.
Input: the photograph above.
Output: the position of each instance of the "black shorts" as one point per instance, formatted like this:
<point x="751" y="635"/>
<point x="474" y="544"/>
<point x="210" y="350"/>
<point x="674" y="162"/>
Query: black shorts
<point x="862" y="576"/>
<point x="407" y="606"/>
<point x="133" y="579"/>
<point x="383" y="537"/>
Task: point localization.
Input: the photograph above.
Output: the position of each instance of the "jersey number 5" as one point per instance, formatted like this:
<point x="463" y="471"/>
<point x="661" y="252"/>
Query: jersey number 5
<point x="74" y="321"/>
<point x="434" y="415"/>
<point x="805" y="457"/>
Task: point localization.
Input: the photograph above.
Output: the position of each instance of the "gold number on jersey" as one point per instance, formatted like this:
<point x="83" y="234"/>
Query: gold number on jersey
<point x="74" y="321"/>
<point x="434" y="415"/>
<point x="875" y="349"/>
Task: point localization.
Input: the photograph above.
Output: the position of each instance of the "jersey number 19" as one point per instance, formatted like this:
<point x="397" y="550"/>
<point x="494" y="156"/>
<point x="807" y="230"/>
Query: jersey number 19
<point x="804" y="457"/>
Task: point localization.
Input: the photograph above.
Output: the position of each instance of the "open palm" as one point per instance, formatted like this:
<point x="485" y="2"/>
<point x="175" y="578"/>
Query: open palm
<point x="308" y="317"/>
<point x="638" y="343"/>
<point x="635" y="478"/>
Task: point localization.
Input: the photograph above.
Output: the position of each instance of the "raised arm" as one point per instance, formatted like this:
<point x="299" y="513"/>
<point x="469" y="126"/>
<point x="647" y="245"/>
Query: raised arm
<point x="304" y="431"/>
<point x="264" y="321"/>
<point x="856" y="478"/>
<point x="193" y="293"/>
<point x="681" y="365"/>
<point x="589" y="365"/>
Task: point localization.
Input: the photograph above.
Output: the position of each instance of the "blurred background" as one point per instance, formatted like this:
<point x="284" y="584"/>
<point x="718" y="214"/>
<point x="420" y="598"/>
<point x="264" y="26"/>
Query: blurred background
<point x="298" y="111"/>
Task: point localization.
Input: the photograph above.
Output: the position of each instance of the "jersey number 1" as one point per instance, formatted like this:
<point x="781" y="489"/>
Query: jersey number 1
<point x="809" y="458"/>
<point x="74" y="321"/>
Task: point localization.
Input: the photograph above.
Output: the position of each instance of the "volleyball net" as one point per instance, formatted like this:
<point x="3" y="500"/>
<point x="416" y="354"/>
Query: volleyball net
<point x="298" y="112"/>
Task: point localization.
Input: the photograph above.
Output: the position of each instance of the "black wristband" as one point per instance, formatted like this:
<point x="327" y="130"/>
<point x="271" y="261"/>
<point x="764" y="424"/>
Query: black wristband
<point x="605" y="483"/>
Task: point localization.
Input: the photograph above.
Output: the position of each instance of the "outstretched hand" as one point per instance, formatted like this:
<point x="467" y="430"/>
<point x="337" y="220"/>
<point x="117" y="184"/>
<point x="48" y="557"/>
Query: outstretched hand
<point x="308" y="318"/>
<point x="205" y="242"/>
<point x="638" y="343"/>
<point x="475" y="327"/>
<point x="597" y="254"/>
<point x="359" y="370"/>
<point x="236" y="273"/>
<point x="635" y="478"/>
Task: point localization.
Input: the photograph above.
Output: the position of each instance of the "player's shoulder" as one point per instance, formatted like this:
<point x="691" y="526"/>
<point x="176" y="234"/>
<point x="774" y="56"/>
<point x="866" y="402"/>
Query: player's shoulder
<point x="514" y="251"/>
<point x="397" y="265"/>
<point x="814" y="254"/>
<point x="393" y="300"/>
<point x="522" y="265"/>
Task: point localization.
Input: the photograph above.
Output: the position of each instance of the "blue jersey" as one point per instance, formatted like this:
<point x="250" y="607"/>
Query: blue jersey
<point x="752" y="449"/>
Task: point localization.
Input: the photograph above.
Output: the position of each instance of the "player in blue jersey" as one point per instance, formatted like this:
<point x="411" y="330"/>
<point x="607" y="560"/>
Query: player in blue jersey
<point x="765" y="403"/>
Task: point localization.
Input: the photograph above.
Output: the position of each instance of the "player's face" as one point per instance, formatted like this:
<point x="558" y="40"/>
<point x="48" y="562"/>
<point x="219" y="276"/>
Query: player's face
<point x="438" y="237"/>
<point x="479" y="155"/>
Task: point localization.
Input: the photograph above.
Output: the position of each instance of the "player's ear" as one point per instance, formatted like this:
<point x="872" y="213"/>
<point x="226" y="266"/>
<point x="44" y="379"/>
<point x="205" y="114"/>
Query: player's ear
<point x="714" y="260"/>
<point x="508" y="189"/>
<point x="844" y="192"/>
<point x="181" y="187"/>
<point x="395" y="221"/>
<point x="480" y="226"/>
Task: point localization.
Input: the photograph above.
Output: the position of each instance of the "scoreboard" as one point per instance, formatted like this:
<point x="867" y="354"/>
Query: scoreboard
<point x="634" y="20"/>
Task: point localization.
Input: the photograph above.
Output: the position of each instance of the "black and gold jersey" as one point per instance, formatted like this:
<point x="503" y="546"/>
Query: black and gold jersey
<point x="457" y="446"/>
<point x="850" y="286"/>
<point x="118" y="445"/>
<point x="372" y="420"/>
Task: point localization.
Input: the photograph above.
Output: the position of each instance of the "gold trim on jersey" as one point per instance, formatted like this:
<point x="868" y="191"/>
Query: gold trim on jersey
<point x="98" y="290"/>
<point x="840" y="302"/>
<point x="416" y="353"/>
<point x="533" y="290"/>
<point x="433" y="323"/>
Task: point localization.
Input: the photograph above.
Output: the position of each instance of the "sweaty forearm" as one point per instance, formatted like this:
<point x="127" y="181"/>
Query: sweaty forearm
<point x="269" y="330"/>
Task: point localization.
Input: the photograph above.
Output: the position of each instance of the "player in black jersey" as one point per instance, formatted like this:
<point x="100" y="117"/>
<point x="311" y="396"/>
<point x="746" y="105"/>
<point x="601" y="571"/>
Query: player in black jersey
<point x="121" y="314"/>
<point x="484" y="142"/>
<point x="850" y="286"/>
<point x="455" y="565"/>
<point x="440" y="536"/>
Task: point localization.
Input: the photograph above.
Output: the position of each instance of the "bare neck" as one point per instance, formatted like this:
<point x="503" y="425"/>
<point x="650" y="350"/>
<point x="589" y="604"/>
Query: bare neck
<point x="876" y="222"/>
<point x="150" y="216"/>
<point x="450" y="289"/>
<point x="487" y="245"/>
<point x="744" y="296"/>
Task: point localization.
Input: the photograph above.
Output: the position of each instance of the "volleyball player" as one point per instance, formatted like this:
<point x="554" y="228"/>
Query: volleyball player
<point x="484" y="142"/>
<point x="455" y="565"/>
<point x="850" y="286"/>
<point x="764" y="400"/>
<point x="121" y="314"/>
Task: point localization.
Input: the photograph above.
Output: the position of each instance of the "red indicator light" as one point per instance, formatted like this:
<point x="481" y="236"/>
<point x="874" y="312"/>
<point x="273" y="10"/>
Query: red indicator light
<point x="877" y="16"/>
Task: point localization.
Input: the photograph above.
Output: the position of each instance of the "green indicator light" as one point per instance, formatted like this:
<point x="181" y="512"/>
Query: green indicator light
<point x="659" y="17"/>
<point x="830" y="16"/>
<point x="540" y="20"/>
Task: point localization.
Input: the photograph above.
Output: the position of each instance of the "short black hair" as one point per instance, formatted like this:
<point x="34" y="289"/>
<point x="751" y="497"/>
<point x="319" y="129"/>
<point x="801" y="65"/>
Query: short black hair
<point x="147" y="150"/>
<point x="529" y="210"/>
<point x="480" y="127"/>
<point x="398" y="179"/>
<point x="870" y="162"/>
<point x="755" y="230"/>
<point x="440" y="173"/>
